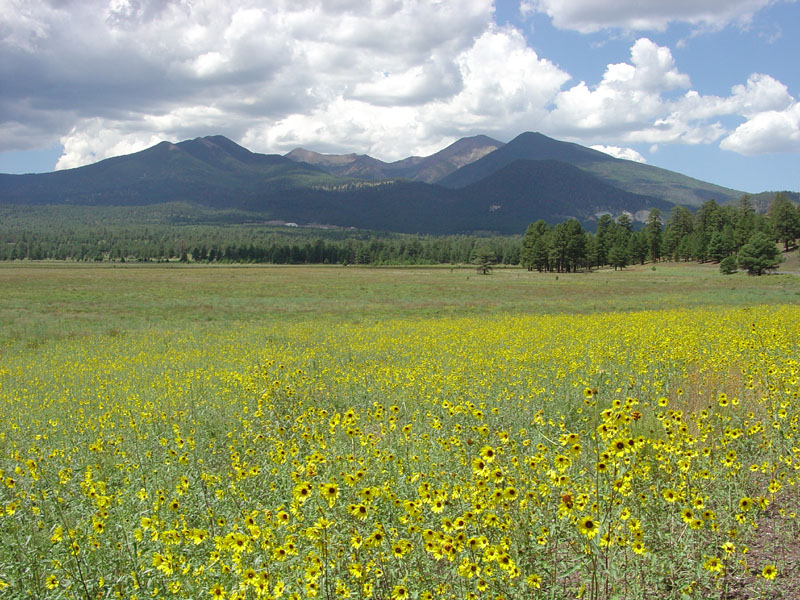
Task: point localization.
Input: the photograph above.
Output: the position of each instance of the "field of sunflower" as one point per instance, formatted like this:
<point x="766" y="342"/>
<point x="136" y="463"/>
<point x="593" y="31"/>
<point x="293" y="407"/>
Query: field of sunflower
<point x="633" y="454"/>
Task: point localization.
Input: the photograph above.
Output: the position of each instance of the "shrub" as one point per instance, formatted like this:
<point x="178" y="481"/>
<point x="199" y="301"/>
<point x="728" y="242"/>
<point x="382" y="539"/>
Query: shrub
<point x="728" y="265"/>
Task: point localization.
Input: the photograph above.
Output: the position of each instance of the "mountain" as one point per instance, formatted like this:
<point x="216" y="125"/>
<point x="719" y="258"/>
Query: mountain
<point x="505" y="202"/>
<point x="526" y="146"/>
<point x="359" y="166"/>
<point x="490" y="187"/>
<point x="429" y="169"/>
<point x="627" y="175"/>
<point x="210" y="171"/>
<point x="458" y="154"/>
<point x="555" y="189"/>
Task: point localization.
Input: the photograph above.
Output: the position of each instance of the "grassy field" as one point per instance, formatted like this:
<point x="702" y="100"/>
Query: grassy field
<point x="397" y="434"/>
<point x="53" y="301"/>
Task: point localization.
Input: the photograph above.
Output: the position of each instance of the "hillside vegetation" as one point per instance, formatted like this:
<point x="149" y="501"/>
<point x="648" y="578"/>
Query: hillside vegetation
<point x="475" y="185"/>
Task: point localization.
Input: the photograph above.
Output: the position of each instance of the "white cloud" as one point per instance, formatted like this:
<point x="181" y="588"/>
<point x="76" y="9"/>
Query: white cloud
<point x="767" y="132"/>
<point x="644" y="15"/>
<point x="503" y="87"/>
<point x="81" y="147"/>
<point x="760" y="93"/>
<point x="617" y="152"/>
<point x="506" y="87"/>
<point x="627" y="99"/>
<point x="386" y="77"/>
<point x="631" y="105"/>
<point x="391" y="79"/>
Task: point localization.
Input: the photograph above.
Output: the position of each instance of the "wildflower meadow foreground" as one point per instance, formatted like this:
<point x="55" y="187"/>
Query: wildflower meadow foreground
<point x="620" y="455"/>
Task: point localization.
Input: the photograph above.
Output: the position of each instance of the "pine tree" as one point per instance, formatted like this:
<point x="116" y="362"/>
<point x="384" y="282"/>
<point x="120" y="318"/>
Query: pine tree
<point x="759" y="254"/>
<point x="785" y="220"/>
<point x="653" y="230"/>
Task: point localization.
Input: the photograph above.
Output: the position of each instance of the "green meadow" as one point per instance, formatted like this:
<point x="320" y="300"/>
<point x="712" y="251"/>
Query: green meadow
<point x="46" y="301"/>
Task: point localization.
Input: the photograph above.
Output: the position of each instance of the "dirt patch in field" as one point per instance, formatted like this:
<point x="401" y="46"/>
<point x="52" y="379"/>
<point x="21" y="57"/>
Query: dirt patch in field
<point x="776" y="543"/>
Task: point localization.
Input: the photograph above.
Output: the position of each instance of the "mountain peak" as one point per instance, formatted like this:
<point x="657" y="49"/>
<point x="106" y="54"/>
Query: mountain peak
<point x="316" y="158"/>
<point x="528" y="146"/>
<point x="429" y="169"/>
<point x="537" y="146"/>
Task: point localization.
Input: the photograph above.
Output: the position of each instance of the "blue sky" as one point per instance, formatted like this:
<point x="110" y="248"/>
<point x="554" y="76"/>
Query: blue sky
<point x="709" y="88"/>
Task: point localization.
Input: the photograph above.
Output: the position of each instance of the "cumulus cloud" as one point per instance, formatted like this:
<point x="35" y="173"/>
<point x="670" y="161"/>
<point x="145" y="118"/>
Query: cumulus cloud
<point x="81" y="147"/>
<point x="617" y="152"/>
<point x="628" y="102"/>
<point x="631" y="104"/>
<point x="589" y="16"/>
<point x="386" y="77"/>
<point x="136" y="65"/>
<point x="767" y="132"/>
<point x="502" y="88"/>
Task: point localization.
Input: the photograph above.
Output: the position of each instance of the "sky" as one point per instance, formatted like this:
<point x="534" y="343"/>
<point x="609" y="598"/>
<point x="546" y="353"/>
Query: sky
<point x="709" y="88"/>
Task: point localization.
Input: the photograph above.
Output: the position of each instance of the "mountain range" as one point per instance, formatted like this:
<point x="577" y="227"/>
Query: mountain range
<point x="429" y="169"/>
<point x="476" y="184"/>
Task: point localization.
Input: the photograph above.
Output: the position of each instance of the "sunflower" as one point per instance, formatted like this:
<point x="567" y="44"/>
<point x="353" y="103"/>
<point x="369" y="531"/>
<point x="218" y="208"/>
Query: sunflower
<point x="588" y="526"/>
<point x="728" y="547"/>
<point x="714" y="565"/>
<point x="400" y="592"/>
<point x="250" y="576"/>
<point x="533" y="581"/>
<point x="359" y="511"/>
<point x="670" y="495"/>
<point x="329" y="491"/>
<point x="479" y="465"/>
<point x="301" y="492"/>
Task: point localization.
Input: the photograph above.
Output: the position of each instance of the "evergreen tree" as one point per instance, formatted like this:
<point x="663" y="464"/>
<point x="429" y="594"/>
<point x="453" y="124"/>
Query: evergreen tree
<point x="653" y="230"/>
<point x="785" y="220"/>
<point x="605" y="232"/>
<point x="759" y="254"/>
<point x="532" y="234"/>
<point x="719" y="246"/>
<point x="576" y="247"/>
<point x="484" y="257"/>
<point x="679" y="226"/>
<point x="709" y="218"/>
<point x="540" y="255"/>
<point x="744" y="222"/>
<point x="727" y="265"/>
<point x="625" y="221"/>
<point x="593" y="247"/>
<point x="559" y="241"/>
<point x="618" y="255"/>
<point x="638" y="247"/>
<point x="697" y="246"/>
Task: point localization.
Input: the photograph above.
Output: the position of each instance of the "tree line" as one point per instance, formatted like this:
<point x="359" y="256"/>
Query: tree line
<point x="732" y="235"/>
<point x="736" y="235"/>
<point x="242" y="244"/>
